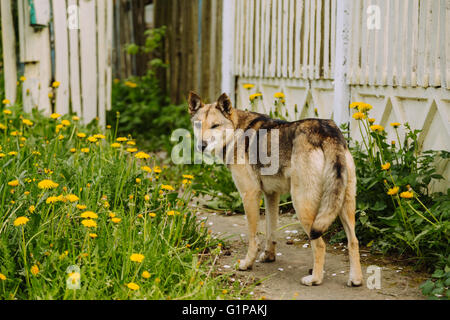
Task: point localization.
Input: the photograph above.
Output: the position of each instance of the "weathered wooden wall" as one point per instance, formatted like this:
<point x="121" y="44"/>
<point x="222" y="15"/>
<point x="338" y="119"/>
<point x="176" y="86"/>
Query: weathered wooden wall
<point x="192" y="46"/>
<point x="67" y="41"/>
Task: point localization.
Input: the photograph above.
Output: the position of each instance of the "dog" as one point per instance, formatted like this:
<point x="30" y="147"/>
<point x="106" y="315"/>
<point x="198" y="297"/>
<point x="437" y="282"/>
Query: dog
<point x="314" y="165"/>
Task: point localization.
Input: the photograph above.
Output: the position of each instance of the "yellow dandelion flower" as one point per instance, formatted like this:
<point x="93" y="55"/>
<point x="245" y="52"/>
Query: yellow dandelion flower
<point x="92" y="139"/>
<point x="146" y="169"/>
<point x="248" y="86"/>
<point x="133" y="286"/>
<point x="52" y="200"/>
<point x="55" y="115"/>
<point x="167" y="187"/>
<point x="157" y="169"/>
<point x="116" y="220"/>
<point x="27" y="122"/>
<point x="141" y="155"/>
<point x="34" y="270"/>
<point x="359" y="116"/>
<point x="56" y="84"/>
<point x="89" y="223"/>
<point x="81" y="207"/>
<point x="22" y="79"/>
<point x="152" y="214"/>
<point x="65" y="123"/>
<point x="188" y="176"/>
<point x="371" y="120"/>
<point x="406" y="195"/>
<point x="2" y="277"/>
<point x="137" y="257"/>
<point x="13" y="183"/>
<point x="147" y="197"/>
<point x="73" y="150"/>
<point x="364" y="107"/>
<point x="377" y="128"/>
<point x="93" y="235"/>
<point x="85" y="150"/>
<point x="89" y="215"/>
<point x="12" y="153"/>
<point x="255" y="96"/>
<point x="132" y="150"/>
<point x="131" y="143"/>
<point x="75" y="118"/>
<point x="145" y="274"/>
<point x="138" y="180"/>
<point x="172" y="213"/>
<point x="395" y="124"/>
<point x="386" y="166"/>
<point x="21" y="221"/>
<point x="121" y="139"/>
<point x="279" y="95"/>
<point x="32" y="209"/>
<point x="47" y="184"/>
<point x="115" y="145"/>
<point x="393" y="191"/>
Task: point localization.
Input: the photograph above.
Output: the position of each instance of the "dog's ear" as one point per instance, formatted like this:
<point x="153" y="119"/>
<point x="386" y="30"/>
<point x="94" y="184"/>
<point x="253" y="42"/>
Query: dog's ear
<point x="195" y="102"/>
<point x="224" y="104"/>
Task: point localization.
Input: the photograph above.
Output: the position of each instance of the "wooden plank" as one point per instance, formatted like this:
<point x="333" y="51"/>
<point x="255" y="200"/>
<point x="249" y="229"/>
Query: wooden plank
<point x="21" y="37"/>
<point x="445" y="44"/>
<point x="212" y="58"/>
<point x="273" y="41"/>
<point x="373" y="49"/>
<point x="298" y="38"/>
<point x="433" y="61"/>
<point x="312" y="40"/>
<point x="405" y="38"/>
<point x="391" y="44"/>
<point x="285" y="44"/>
<point x="278" y="68"/>
<point x="306" y="25"/>
<point x="414" y="42"/>
<point x="354" y="72"/>
<point x="88" y="52"/>
<point x="257" y="39"/>
<point x="267" y="31"/>
<point x="326" y="41"/>
<point x="9" y="51"/>
<point x="242" y="26"/>
<point x="333" y="36"/>
<point x="61" y="56"/>
<point x="74" y="64"/>
<point x="290" y="63"/>
<point x="318" y="41"/>
<point x="101" y="60"/>
<point x="421" y="59"/>
<point x="109" y="48"/>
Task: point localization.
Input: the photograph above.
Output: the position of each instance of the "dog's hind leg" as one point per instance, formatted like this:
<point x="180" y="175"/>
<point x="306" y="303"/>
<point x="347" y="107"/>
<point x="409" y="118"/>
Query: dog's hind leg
<point x="272" y="202"/>
<point x="251" y="205"/>
<point x="306" y="192"/>
<point x="347" y="216"/>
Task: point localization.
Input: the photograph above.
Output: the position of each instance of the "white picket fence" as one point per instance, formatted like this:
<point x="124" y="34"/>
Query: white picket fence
<point x="79" y="34"/>
<point x="323" y="54"/>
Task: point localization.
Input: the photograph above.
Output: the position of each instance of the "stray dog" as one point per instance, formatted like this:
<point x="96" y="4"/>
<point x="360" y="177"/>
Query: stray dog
<point x="314" y="165"/>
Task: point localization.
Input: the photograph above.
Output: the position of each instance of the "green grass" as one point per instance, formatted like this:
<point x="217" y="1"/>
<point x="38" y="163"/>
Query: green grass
<point x="54" y="246"/>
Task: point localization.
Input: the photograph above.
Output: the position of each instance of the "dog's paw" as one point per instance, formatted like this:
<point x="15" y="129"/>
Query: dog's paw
<point x="245" y="265"/>
<point x="311" y="281"/>
<point x="356" y="282"/>
<point x="267" y="256"/>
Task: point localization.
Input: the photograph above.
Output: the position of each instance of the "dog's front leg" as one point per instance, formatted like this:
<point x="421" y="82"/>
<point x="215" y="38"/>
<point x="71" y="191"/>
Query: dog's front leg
<point x="251" y="206"/>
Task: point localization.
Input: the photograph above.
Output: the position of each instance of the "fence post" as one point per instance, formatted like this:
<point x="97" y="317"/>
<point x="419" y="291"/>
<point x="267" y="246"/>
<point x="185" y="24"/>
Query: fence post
<point x="228" y="81"/>
<point x="9" y="51"/>
<point x="341" y="88"/>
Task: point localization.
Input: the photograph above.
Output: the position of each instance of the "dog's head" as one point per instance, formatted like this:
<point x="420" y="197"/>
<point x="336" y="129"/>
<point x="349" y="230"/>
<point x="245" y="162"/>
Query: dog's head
<point x="211" y="121"/>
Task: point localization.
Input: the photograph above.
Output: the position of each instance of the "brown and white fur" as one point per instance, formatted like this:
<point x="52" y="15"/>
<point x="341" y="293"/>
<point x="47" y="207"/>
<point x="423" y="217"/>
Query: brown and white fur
<point x="316" y="167"/>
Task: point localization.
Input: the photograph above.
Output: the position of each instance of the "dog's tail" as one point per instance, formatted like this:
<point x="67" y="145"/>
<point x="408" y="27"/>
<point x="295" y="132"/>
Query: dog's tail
<point x="334" y="187"/>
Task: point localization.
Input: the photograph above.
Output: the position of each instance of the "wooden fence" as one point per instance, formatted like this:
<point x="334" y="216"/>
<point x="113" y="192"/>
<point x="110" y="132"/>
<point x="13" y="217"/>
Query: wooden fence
<point x="193" y="46"/>
<point x="68" y="41"/>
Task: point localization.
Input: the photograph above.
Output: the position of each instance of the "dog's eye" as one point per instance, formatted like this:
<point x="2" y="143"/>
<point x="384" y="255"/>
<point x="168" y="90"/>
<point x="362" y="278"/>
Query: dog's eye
<point x="215" y="126"/>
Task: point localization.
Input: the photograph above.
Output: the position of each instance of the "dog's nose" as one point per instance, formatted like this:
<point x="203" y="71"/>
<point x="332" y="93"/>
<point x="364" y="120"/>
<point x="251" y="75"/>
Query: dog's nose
<point x="204" y="145"/>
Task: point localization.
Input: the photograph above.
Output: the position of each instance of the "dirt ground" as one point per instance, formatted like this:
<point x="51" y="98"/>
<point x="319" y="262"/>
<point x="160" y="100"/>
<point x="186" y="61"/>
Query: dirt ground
<point x="280" y="280"/>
